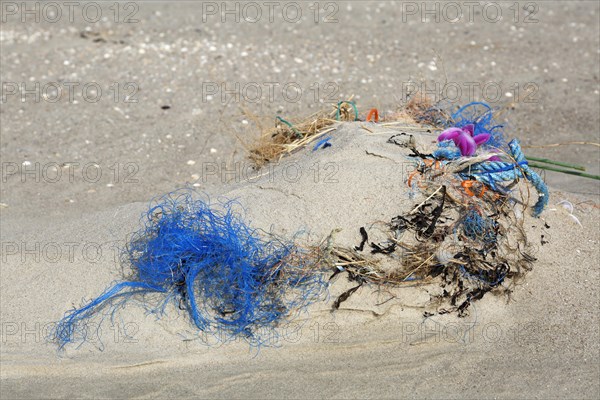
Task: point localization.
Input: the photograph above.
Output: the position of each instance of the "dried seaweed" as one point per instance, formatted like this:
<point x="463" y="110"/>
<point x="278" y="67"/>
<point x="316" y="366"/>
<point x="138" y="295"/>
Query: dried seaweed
<point x="365" y="238"/>
<point x="471" y="244"/>
<point x="344" y="296"/>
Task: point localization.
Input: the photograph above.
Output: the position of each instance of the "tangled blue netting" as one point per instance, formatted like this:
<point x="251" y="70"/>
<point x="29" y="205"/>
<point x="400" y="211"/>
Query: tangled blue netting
<point x="477" y="227"/>
<point x="481" y="115"/>
<point x="232" y="281"/>
<point x="484" y="230"/>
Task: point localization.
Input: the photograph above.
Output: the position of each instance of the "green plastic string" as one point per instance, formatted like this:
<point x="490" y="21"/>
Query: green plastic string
<point x="564" y="171"/>
<point x="561" y="164"/>
<point x="296" y="131"/>
<point x="337" y="114"/>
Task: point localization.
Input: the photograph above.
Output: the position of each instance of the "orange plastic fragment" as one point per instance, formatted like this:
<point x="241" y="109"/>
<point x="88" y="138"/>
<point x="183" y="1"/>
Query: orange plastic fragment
<point x="373" y="114"/>
<point x="468" y="184"/>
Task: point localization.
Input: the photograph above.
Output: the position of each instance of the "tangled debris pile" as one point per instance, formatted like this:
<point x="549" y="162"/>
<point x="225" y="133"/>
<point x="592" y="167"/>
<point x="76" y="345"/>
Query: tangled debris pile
<point x="466" y="236"/>
<point x="469" y="230"/>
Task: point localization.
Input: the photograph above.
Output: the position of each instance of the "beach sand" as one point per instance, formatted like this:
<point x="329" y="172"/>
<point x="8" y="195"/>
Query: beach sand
<point x="62" y="225"/>
<point x="543" y="342"/>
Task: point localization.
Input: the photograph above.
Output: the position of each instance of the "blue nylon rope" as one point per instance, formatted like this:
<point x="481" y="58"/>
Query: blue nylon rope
<point x="232" y="281"/>
<point x="492" y="173"/>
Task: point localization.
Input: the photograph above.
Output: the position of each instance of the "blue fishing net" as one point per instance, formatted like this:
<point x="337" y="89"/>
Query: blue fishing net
<point x="477" y="227"/>
<point x="481" y="115"/>
<point x="233" y="280"/>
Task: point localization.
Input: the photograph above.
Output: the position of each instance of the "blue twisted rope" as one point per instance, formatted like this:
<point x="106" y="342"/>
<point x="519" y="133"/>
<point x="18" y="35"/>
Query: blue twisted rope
<point x="492" y="173"/>
<point x="447" y="150"/>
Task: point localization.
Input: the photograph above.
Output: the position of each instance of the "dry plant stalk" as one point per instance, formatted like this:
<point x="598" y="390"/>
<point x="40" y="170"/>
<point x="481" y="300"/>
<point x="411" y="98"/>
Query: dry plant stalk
<point x="284" y="139"/>
<point x="420" y="109"/>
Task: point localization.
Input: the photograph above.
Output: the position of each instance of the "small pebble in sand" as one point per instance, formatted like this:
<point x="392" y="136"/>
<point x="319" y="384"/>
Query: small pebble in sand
<point x="191" y="162"/>
<point x="213" y="150"/>
<point x="3" y="205"/>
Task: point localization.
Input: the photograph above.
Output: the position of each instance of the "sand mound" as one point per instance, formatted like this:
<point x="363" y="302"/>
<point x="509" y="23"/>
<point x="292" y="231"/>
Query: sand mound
<point x="541" y="343"/>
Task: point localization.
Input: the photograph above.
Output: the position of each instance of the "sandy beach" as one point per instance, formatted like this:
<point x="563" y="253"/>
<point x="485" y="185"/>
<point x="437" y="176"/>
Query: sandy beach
<point x="77" y="176"/>
<point x="543" y="340"/>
